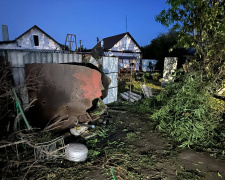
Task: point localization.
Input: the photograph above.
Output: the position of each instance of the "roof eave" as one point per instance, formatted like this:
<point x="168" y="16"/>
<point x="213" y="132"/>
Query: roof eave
<point x="7" y="42"/>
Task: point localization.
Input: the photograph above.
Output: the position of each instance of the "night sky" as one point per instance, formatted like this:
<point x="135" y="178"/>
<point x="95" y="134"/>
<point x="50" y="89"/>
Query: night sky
<point x="87" y="19"/>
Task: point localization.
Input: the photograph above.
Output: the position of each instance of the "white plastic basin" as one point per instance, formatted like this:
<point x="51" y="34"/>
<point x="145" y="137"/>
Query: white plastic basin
<point x="76" y="152"/>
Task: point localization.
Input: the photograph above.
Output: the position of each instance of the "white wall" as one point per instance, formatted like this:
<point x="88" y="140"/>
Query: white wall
<point x="26" y="42"/>
<point x="125" y="43"/>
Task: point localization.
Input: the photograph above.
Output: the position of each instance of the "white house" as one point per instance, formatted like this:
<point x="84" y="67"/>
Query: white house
<point x="122" y="46"/>
<point x="34" y="38"/>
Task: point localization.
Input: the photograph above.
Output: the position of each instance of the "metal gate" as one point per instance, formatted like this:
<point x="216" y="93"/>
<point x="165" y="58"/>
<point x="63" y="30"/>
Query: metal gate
<point x="110" y="68"/>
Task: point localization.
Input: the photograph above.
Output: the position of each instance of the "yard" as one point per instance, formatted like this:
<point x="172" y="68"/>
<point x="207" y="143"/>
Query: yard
<point x="128" y="147"/>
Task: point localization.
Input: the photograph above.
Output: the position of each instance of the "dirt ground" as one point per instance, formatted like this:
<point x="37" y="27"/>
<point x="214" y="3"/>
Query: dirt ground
<point x="129" y="147"/>
<point x="170" y="161"/>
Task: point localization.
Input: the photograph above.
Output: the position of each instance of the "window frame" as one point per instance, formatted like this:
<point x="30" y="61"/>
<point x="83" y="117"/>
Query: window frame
<point x="34" y="41"/>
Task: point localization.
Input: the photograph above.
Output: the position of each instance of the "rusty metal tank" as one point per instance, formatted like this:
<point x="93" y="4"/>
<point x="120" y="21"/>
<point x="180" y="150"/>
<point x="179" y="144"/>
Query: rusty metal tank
<point x="64" y="93"/>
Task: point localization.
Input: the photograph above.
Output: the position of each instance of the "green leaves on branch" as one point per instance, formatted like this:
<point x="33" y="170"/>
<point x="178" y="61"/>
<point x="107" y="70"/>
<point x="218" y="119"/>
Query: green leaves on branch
<point x="201" y="24"/>
<point x="186" y="113"/>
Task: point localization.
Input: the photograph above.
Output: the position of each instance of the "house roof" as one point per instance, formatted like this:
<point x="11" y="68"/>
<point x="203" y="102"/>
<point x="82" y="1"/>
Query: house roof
<point x="35" y="26"/>
<point x="109" y="42"/>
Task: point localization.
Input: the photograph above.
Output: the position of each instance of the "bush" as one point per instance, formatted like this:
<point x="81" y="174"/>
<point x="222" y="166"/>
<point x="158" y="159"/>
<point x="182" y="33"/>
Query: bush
<point x="186" y="113"/>
<point x="156" y="76"/>
<point x="160" y="80"/>
<point x="148" y="75"/>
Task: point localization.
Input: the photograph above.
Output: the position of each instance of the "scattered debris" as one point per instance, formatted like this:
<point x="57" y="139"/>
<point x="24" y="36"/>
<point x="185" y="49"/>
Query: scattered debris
<point x="130" y="96"/>
<point x="146" y="90"/>
<point x="52" y="149"/>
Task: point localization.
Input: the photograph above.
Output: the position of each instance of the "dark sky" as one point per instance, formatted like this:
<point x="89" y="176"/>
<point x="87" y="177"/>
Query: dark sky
<point x="87" y="19"/>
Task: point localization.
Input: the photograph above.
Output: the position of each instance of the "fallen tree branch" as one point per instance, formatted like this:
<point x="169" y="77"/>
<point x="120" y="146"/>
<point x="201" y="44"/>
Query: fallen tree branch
<point x="13" y="143"/>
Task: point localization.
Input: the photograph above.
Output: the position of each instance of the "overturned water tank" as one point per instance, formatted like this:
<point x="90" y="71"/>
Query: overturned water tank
<point x="64" y="93"/>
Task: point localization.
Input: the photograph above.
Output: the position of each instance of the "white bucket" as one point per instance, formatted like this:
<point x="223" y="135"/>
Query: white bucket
<point x="76" y="152"/>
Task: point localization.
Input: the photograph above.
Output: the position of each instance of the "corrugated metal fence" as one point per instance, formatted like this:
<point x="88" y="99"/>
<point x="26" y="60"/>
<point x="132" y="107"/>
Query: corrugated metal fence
<point x="18" y="59"/>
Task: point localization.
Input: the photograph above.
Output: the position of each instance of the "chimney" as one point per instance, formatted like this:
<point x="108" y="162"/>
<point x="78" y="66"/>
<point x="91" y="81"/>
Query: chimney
<point x="5" y="34"/>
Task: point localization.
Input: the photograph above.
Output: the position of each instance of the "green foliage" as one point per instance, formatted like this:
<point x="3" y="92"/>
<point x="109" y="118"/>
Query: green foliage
<point x="124" y="84"/>
<point x="201" y="26"/>
<point x="186" y="113"/>
<point x="160" y="80"/>
<point x="92" y="142"/>
<point x="93" y="153"/>
<point x="189" y="113"/>
<point x="145" y="106"/>
<point x="156" y="76"/>
<point x="102" y="133"/>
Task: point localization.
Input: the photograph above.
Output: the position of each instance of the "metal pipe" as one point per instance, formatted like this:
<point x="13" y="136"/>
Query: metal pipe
<point x="21" y="110"/>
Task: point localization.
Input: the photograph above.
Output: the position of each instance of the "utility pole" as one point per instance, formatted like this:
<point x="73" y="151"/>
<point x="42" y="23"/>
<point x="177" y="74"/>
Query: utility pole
<point x="80" y="45"/>
<point x="126" y="23"/>
<point x="97" y="40"/>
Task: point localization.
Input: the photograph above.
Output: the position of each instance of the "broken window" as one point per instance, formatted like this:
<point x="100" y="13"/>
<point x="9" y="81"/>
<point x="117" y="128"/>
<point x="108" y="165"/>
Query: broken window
<point x="36" y="40"/>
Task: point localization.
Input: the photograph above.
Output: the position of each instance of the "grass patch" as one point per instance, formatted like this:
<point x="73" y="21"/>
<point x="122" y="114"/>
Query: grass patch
<point x="188" y="175"/>
<point x="131" y="136"/>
